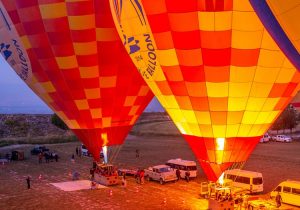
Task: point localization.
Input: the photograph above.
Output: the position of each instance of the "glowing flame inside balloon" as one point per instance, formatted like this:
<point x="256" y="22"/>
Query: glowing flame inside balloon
<point x="104" y="149"/>
<point x="221" y="179"/>
<point x="220" y="144"/>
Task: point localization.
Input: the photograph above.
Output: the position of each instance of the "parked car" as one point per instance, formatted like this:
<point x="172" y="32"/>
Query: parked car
<point x="265" y="138"/>
<point x="282" y="138"/>
<point x="161" y="173"/>
<point x="38" y="149"/>
<point x="85" y="152"/>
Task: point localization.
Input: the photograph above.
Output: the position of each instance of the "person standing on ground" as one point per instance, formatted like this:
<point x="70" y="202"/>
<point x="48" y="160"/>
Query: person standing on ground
<point x="40" y="156"/>
<point x="124" y="182"/>
<point x="187" y="175"/>
<point x="73" y="158"/>
<point x="178" y="174"/>
<point x="278" y="200"/>
<point x="137" y="153"/>
<point x="28" y="182"/>
<point x="77" y="152"/>
<point x="142" y="176"/>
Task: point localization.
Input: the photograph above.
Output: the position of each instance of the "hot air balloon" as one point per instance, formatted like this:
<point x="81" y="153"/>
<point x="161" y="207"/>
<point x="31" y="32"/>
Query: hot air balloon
<point x="71" y="56"/>
<point x="281" y="19"/>
<point x="214" y="68"/>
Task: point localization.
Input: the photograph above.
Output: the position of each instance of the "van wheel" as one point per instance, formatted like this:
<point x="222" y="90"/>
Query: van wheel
<point x="161" y="181"/>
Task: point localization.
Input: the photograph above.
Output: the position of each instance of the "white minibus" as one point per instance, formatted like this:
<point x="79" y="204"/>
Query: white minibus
<point x="289" y="191"/>
<point x="248" y="180"/>
<point x="183" y="166"/>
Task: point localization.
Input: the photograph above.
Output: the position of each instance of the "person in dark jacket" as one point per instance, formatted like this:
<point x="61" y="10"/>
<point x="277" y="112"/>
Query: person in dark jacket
<point x="28" y="180"/>
<point x="178" y="174"/>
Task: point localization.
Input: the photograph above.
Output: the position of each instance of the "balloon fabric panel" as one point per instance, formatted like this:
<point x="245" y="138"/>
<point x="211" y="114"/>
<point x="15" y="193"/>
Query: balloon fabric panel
<point x="80" y="68"/>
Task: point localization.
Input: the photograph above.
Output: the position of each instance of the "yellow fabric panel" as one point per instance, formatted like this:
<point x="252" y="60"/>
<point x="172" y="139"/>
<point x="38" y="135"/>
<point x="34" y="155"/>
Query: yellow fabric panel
<point x="85" y="48"/>
<point x="89" y="72"/>
<point x="270" y="104"/>
<point x="92" y="93"/>
<point x="176" y="115"/>
<point x="265" y="61"/>
<point x="129" y="100"/>
<point x="232" y="130"/>
<point x="217" y="89"/>
<point x="106" y="34"/>
<point x="48" y="87"/>
<point x="267" y="75"/>
<point x="190" y="116"/>
<point x="260" y="89"/>
<point x="254" y="131"/>
<point x="171" y="102"/>
<point x="273" y="115"/>
<point x="234" y="118"/>
<point x="167" y="57"/>
<point x="262" y="117"/>
<point x="242" y="74"/>
<point x="47" y="10"/>
<point x="184" y="102"/>
<point x="106" y="121"/>
<point x="246" y="39"/>
<point x="108" y="82"/>
<point x="246" y="21"/>
<point x="194" y="128"/>
<point x="244" y="130"/>
<point x="223" y="20"/>
<point x="69" y="62"/>
<point x="255" y="104"/>
<point x="237" y="104"/>
<point x="239" y="89"/>
<point x="285" y="75"/>
<point x="268" y="42"/>
<point x="242" y="5"/>
<point x="185" y="127"/>
<point x="249" y="117"/>
<point x="159" y="75"/>
<point x="96" y="113"/>
<point x="178" y="21"/>
<point x="81" y="22"/>
<point x="219" y="131"/>
<point x="82" y="104"/>
<point x="203" y="117"/>
<point x="206" y="21"/>
<point x="287" y="64"/>
<point x="206" y="130"/>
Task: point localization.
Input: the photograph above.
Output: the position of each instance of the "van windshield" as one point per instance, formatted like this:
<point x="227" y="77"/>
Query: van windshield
<point x="192" y="168"/>
<point x="257" y="180"/>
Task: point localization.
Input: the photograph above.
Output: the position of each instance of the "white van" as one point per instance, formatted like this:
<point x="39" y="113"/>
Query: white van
<point x="289" y="191"/>
<point x="183" y="166"/>
<point x="265" y="138"/>
<point x="248" y="180"/>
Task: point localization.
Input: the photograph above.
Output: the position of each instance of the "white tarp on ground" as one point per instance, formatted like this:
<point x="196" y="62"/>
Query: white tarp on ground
<point x="76" y="185"/>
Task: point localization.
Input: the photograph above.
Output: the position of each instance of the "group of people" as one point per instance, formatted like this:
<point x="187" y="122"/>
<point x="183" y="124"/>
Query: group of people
<point x="48" y="156"/>
<point x="186" y="175"/>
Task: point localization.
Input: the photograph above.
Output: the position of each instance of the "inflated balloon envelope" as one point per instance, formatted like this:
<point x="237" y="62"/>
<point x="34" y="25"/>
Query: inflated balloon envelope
<point x="70" y="55"/>
<point x="214" y="68"/>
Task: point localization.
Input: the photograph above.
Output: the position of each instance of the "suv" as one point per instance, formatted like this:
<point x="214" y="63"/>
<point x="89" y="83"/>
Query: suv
<point x="38" y="149"/>
<point x="265" y="138"/>
<point x="283" y="138"/>
<point x="161" y="173"/>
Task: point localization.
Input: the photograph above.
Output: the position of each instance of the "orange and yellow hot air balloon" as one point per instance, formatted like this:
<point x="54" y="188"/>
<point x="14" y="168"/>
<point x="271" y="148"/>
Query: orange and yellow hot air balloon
<point x="70" y="54"/>
<point x="214" y="68"/>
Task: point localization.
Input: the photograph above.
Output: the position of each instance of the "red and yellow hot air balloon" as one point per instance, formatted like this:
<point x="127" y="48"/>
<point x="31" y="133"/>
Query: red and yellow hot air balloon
<point x="214" y="68"/>
<point x="70" y="54"/>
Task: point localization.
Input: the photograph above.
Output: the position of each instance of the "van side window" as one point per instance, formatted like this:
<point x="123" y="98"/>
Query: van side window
<point x="296" y="191"/>
<point x="257" y="180"/>
<point x="278" y="189"/>
<point x="245" y="180"/>
<point x="287" y="189"/>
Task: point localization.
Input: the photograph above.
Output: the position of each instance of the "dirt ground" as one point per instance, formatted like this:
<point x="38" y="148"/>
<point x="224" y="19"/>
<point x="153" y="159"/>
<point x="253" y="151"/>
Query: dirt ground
<point x="277" y="161"/>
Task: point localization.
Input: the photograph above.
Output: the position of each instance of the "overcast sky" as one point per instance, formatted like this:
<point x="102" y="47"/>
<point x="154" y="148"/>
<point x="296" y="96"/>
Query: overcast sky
<point x="16" y="97"/>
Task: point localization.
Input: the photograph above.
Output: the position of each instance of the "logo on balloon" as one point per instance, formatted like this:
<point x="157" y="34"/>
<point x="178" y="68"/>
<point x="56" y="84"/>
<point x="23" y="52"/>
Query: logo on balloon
<point x="4" y="49"/>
